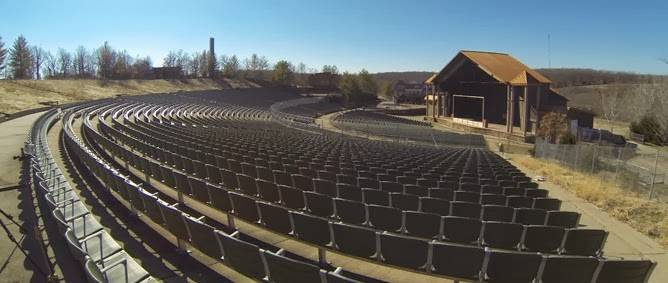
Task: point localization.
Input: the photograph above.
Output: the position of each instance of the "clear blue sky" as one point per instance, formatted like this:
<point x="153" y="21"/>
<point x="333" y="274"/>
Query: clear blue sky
<point x="377" y="35"/>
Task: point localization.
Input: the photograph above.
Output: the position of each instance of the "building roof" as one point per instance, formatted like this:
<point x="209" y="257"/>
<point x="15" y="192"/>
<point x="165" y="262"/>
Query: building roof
<point x="430" y="80"/>
<point x="502" y="67"/>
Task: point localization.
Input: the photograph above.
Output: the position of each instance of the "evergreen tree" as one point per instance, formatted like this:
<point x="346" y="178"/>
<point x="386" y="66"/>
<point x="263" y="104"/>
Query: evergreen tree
<point x="20" y="59"/>
<point x="283" y="73"/>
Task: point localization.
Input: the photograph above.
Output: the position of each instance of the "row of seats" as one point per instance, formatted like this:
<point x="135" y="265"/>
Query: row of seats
<point x="244" y="138"/>
<point x="325" y="206"/>
<point x="374" y="197"/>
<point x="232" y="249"/>
<point x="98" y="253"/>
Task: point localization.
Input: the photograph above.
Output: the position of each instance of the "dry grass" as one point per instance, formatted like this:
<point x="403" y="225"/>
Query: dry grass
<point x="648" y="217"/>
<point x="17" y="95"/>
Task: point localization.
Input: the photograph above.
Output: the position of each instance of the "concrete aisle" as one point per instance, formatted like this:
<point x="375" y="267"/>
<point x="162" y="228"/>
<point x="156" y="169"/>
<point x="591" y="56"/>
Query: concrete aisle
<point x="17" y="203"/>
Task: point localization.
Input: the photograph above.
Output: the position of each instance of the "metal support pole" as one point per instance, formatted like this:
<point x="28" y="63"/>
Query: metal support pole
<point x="593" y="159"/>
<point x="322" y="256"/>
<point x="656" y="164"/>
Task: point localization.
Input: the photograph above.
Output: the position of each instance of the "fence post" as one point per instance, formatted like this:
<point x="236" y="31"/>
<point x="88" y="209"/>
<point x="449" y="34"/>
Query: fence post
<point x="656" y="164"/>
<point x="577" y="155"/>
<point x="593" y="159"/>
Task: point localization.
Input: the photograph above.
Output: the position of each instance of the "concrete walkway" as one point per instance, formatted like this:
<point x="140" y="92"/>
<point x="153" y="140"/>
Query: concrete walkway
<point x="18" y="203"/>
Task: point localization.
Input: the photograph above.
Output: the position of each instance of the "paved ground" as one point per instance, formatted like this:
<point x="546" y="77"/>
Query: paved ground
<point x="17" y="203"/>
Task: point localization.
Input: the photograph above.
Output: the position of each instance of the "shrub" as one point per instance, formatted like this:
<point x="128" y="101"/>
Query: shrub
<point x="567" y="138"/>
<point x="649" y="127"/>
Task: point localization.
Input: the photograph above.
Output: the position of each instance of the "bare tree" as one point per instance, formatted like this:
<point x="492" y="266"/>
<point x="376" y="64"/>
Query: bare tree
<point x="141" y="67"/>
<point x="182" y="61"/>
<point x="256" y="65"/>
<point x="170" y="59"/>
<point x="230" y="66"/>
<point x="83" y="65"/>
<point x="37" y="60"/>
<point x="301" y="73"/>
<point x="64" y="62"/>
<point x="122" y="66"/>
<point x="610" y="103"/>
<point x="106" y="59"/>
<point x="330" y="69"/>
<point x="51" y="65"/>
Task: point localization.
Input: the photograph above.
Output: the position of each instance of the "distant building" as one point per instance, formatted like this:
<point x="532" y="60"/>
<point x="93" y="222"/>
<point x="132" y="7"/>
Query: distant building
<point x="492" y="91"/>
<point x="325" y="81"/>
<point x="167" y="73"/>
<point x="408" y="92"/>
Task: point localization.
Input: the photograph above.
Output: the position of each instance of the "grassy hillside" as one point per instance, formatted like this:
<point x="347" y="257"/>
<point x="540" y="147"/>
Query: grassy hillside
<point x="17" y="95"/>
<point x="567" y="77"/>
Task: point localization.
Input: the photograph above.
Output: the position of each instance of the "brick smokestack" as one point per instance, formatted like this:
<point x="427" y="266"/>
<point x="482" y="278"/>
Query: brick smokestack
<point x="212" y="58"/>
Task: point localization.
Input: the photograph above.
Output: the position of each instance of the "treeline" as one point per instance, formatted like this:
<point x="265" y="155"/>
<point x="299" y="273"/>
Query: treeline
<point x="566" y="77"/>
<point x="24" y="61"/>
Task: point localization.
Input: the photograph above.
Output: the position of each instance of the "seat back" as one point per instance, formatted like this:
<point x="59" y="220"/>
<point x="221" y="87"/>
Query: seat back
<point x="385" y="218"/>
<point x="461" y="229"/>
<point x="459" y="261"/>
<point x="626" y="271"/>
<point x="311" y="229"/>
<point x="275" y="217"/>
<point x="203" y="237"/>
<point x="319" y="204"/>
<point x="580" y="269"/>
<point x="502" y="235"/>
<point x="284" y="269"/>
<point x="350" y="211"/>
<point x="244" y="207"/>
<point x="507" y="266"/>
<point x="242" y="256"/>
<point x="584" y="242"/>
<point x="403" y="251"/>
<point x="435" y="205"/>
<point x="420" y="224"/>
<point x="565" y="219"/>
<point x="545" y="239"/>
<point x="355" y="240"/>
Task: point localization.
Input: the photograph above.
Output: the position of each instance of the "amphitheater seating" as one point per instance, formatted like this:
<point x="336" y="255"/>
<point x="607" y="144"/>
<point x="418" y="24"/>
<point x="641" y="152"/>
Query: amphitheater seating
<point x="456" y="212"/>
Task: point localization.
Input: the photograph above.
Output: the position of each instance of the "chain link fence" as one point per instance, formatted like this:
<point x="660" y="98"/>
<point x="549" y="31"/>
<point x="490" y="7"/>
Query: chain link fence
<point x="641" y="169"/>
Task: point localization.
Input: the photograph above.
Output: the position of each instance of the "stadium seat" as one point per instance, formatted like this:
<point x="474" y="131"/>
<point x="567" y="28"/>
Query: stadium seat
<point x="311" y="229"/>
<point x="502" y="235"/>
<point x="403" y="251"/>
<point x="242" y="256"/>
<point x="354" y="240"/>
<point x="420" y="224"/>
<point x="458" y="261"/>
<point x="350" y="211"/>
<point x="385" y="218"/>
<point x="275" y="217"/>
<point x="584" y="242"/>
<point x="283" y="269"/>
<point x="508" y="266"/>
<point x="461" y="229"/>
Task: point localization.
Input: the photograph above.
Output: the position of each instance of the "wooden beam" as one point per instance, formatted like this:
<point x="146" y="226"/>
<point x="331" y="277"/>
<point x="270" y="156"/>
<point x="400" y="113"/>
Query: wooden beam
<point x="507" y="108"/>
<point x="525" y="115"/>
<point x="539" y="92"/>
